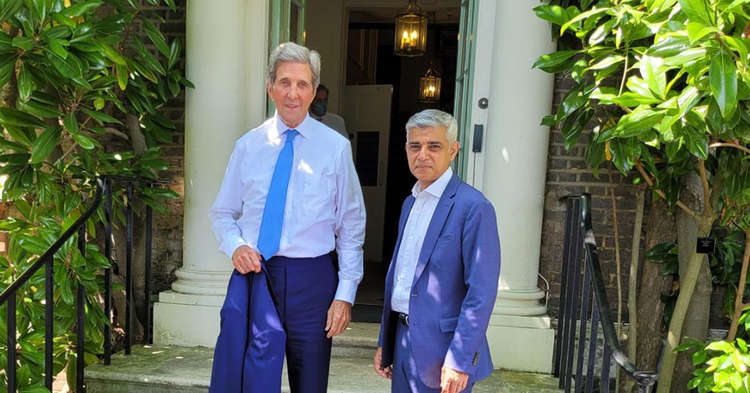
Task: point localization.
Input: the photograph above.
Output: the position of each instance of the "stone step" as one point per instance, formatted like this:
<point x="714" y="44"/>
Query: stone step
<point x="152" y="369"/>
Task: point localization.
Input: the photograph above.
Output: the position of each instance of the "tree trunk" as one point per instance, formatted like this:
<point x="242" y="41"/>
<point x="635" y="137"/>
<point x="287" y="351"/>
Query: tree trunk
<point x="699" y="310"/>
<point x="691" y="273"/>
<point x="659" y="227"/>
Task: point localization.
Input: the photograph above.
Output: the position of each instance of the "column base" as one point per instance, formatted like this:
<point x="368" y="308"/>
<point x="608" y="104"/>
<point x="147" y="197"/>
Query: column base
<point x="187" y="319"/>
<point x="521" y="343"/>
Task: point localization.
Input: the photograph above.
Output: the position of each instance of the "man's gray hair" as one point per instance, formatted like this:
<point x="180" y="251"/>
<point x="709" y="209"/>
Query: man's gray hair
<point x="291" y="52"/>
<point x="434" y="118"/>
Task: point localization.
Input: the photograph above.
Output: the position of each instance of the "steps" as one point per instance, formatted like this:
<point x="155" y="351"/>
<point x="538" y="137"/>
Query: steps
<point x="187" y="370"/>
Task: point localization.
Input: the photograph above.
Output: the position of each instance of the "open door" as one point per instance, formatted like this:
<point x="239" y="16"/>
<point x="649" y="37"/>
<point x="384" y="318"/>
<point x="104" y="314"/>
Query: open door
<point x="473" y="70"/>
<point x="367" y="111"/>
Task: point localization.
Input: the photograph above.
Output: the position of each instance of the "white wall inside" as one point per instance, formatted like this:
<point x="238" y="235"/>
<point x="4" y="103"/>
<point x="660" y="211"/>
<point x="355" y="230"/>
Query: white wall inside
<point x="326" y="33"/>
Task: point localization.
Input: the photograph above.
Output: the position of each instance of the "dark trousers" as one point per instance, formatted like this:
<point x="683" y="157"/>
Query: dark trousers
<point x="405" y="377"/>
<point x="256" y="333"/>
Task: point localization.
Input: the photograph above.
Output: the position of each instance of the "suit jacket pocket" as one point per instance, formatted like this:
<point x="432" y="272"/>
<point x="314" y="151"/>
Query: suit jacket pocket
<point x="448" y="325"/>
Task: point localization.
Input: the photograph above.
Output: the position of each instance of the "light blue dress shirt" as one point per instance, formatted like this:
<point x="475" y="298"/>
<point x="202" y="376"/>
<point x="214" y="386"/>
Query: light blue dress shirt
<point x="425" y="202"/>
<point x="324" y="205"/>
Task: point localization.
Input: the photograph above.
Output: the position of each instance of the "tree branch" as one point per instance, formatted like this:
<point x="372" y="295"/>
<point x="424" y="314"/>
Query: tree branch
<point x="659" y="192"/>
<point x="726" y="144"/>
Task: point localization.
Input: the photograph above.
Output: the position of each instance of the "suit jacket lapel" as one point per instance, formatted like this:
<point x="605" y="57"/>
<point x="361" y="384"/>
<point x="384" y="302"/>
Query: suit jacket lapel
<point x="436" y="226"/>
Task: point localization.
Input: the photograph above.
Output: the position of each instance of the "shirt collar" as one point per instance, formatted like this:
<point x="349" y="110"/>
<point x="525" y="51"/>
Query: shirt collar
<point x="437" y="187"/>
<point x="304" y="128"/>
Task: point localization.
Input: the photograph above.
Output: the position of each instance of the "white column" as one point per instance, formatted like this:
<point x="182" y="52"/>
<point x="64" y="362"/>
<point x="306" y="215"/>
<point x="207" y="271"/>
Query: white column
<point x="514" y="178"/>
<point x="225" y="52"/>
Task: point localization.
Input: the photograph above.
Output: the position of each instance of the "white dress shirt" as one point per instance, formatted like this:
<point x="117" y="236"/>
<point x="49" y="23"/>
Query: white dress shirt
<point x="335" y="122"/>
<point x="324" y="206"/>
<point x="425" y="202"/>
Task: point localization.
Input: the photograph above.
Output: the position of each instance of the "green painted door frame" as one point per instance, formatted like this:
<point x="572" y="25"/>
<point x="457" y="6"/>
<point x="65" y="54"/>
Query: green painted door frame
<point x="464" y="82"/>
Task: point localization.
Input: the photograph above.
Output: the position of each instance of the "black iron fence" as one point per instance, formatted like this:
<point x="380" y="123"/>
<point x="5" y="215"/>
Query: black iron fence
<point x="584" y="310"/>
<point x="103" y="191"/>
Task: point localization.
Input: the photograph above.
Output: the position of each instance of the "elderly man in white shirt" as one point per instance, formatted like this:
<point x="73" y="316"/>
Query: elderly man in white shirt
<point x="289" y="197"/>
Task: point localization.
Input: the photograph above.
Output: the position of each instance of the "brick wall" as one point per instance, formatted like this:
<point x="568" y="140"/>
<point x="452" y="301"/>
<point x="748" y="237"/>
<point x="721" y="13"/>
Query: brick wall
<point x="167" y="236"/>
<point x="567" y="174"/>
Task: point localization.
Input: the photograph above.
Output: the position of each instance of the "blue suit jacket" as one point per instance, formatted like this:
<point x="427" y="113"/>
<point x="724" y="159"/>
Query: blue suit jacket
<point x="454" y="287"/>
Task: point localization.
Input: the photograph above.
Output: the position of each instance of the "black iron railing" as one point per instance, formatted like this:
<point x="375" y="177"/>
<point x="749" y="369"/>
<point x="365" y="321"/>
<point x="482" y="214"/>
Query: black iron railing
<point x="103" y="187"/>
<point x="584" y="309"/>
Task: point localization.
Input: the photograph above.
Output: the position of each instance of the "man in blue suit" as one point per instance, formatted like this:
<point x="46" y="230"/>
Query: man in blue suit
<point x="442" y="282"/>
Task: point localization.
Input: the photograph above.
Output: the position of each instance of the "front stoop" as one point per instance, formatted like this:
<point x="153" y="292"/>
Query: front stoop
<point x="187" y="370"/>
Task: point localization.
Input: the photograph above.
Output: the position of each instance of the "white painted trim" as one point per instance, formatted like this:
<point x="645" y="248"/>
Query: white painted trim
<point x="481" y="89"/>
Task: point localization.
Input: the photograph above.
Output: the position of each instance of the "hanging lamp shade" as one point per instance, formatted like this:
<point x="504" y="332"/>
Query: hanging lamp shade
<point x="429" y="87"/>
<point x="411" y="31"/>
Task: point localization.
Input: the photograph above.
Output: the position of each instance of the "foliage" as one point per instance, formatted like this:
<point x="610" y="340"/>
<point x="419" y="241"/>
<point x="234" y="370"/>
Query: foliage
<point x="82" y="83"/>
<point x="723" y="365"/>
<point x="666" y="84"/>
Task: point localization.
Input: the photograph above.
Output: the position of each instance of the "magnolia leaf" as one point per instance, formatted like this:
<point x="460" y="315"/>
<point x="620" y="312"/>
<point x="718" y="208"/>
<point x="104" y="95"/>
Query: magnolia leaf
<point x="697" y="11"/>
<point x="723" y="80"/>
<point x="44" y="144"/>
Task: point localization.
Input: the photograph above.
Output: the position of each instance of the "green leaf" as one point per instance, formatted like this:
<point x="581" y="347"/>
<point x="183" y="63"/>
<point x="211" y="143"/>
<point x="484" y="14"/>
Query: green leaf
<point x="44" y="144"/>
<point x="112" y="53"/>
<point x="7" y="68"/>
<point x="654" y="75"/>
<point x="84" y="141"/>
<point x="101" y="117"/>
<point x="696" y="11"/>
<point x="174" y="53"/>
<point x="723" y="79"/>
<point x="9" y="8"/>
<point x="98" y="103"/>
<point x="13" y="117"/>
<point x="81" y="8"/>
<point x="550" y="62"/>
<point x="156" y="37"/>
<point x="601" y="32"/>
<point x="721" y="346"/>
<point x="71" y="123"/>
<point x="686" y="57"/>
<point x="551" y="13"/>
<point x="580" y="17"/>
<point x="607" y="62"/>
<point x="698" y="30"/>
<point x="56" y="46"/>
<point x="25" y="43"/>
<point x="38" y="109"/>
<point x="636" y="122"/>
<point x="65" y="66"/>
<point x="25" y="83"/>
<point x="122" y="76"/>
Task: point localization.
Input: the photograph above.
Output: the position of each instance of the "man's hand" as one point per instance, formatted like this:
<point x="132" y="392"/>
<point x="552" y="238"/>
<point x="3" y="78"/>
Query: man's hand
<point x="246" y="260"/>
<point x="385" y="372"/>
<point x="339" y="316"/>
<point x="452" y="381"/>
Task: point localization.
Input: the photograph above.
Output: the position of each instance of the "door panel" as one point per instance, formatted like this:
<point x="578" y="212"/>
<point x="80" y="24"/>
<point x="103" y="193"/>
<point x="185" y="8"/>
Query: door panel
<point x="367" y="112"/>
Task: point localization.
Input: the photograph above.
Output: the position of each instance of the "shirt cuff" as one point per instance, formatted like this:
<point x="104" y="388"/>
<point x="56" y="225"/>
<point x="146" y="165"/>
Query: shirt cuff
<point x="230" y="244"/>
<point x="347" y="290"/>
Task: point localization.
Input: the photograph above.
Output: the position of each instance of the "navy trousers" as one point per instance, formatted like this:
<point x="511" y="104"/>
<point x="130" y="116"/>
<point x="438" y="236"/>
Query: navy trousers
<point x="256" y="333"/>
<point x="405" y="378"/>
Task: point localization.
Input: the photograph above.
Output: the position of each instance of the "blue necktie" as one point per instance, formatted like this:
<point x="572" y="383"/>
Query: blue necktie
<point x="273" y="213"/>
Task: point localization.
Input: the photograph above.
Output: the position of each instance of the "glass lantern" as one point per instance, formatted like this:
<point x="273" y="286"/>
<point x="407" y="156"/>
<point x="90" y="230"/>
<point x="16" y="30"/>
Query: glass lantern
<point x="411" y="31"/>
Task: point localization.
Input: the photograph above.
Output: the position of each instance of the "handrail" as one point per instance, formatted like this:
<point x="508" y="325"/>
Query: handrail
<point x="610" y="335"/>
<point x="100" y="188"/>
<point x="103" y="187"/>
<point x="584" y="305"/>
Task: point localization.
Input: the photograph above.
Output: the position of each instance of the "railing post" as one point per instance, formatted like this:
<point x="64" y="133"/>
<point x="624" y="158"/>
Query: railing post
<point x="129" y="270"/>
<point x="81" y="320"/>
<point x="108" y="271"/>
<point x="49" y="317"/>
<point x="147" y="325"/>
<point x="11" y="335"/>
<point x="573" y="297"/>
<point x="562" y="309"/>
